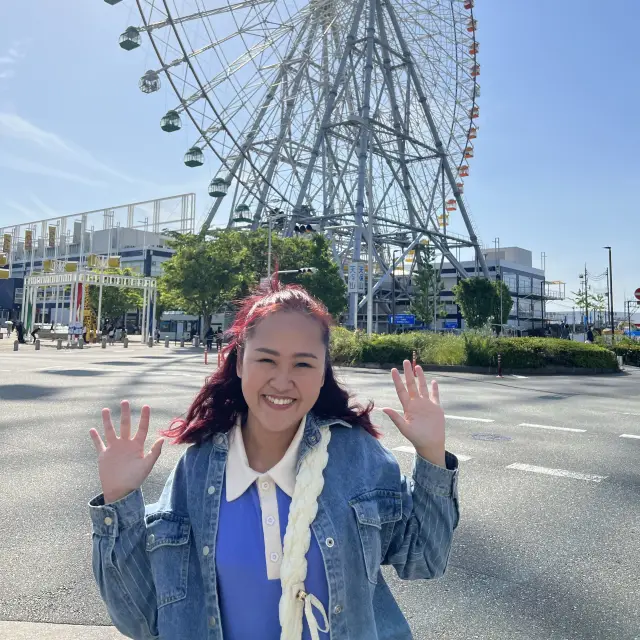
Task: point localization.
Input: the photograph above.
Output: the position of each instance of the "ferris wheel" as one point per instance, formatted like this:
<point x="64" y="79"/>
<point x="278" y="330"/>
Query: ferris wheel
<point x="350" y="117"/>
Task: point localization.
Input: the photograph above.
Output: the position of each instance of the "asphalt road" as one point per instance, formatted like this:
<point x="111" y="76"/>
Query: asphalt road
<point x="548" y="543"/>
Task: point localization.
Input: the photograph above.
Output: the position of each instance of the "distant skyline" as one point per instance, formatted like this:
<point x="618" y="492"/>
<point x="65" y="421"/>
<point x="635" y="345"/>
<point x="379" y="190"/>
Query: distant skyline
<point x="555" y="167"/>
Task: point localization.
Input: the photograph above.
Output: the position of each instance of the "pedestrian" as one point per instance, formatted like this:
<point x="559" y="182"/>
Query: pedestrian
<point x="20" y="332"/>
<point x="590" y="334"/>
<point x="208" y="336"/>
<point x="219" y="339"/>
<point x="275" y="521"/>
<point x="34" y="333"/>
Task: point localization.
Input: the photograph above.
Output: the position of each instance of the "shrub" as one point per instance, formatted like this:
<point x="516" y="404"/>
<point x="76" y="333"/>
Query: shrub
<point x="629" y="350"/>
<point x="473" y="349"/>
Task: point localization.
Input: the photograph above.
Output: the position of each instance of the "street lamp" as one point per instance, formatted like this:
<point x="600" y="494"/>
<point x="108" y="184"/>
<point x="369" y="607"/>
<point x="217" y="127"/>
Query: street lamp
<point x="279" y="215"/>
<point x="611" y="311"/>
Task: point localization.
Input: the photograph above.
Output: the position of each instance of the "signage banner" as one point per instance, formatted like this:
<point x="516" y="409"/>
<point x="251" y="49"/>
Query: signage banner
<point x="360" y="277"/>
<point x="52" y="237"/>
<point x="356" y="279"/>
<point x="6" y="243"/>
<point x="352" y="281"/>
<point x="28" y="240"/>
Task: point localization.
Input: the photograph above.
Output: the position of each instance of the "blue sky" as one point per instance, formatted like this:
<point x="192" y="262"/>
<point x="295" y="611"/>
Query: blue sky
<point x="556" y="160"/>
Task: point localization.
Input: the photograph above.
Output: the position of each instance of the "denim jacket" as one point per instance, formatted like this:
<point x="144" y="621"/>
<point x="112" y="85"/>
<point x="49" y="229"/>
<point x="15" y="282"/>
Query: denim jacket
<point x="156" y="570"/>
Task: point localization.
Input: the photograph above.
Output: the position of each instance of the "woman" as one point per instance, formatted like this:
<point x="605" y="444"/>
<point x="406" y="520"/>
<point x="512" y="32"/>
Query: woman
<point x="274" y="523"/>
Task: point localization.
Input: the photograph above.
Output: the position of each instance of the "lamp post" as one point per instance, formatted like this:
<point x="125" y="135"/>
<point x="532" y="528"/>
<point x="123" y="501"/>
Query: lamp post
<point x="611" y="311"/>
<point x="275" y="215"/>
<point x="393" y="286"/>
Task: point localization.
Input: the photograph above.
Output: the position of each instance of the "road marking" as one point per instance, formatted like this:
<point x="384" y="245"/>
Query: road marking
<point x="409" y="449"/>
<point x="630" y="435"/>
<point x="513" y="375"/>
<point x="464" y="418"/>
<point x="544" y="426"/>
<point x="556" y="472"/>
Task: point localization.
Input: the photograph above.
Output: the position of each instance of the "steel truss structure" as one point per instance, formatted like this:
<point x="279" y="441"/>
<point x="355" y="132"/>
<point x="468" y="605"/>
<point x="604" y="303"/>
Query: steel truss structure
<point x="353" y="116"/>
<point x="79" y="235"/>
<point x="78" y="282"/>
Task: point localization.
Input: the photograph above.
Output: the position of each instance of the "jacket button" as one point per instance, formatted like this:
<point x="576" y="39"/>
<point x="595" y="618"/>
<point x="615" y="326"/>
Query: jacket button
<point x="212" y="621"/>
<point x="329" y="542"/>
<point x="337" y="609"/>
<point x="205" y="551"/>
<point x="151" y="539"/>
<point x="211" y="490"/>
<point x="108" y="521"/>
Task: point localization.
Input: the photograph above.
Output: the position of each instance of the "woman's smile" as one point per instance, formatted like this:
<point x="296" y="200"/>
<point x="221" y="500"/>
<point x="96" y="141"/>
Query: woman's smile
<point x="279" y="403"/>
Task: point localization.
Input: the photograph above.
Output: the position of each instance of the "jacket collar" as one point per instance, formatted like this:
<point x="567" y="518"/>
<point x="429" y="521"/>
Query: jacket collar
<point x="310" y="436"/>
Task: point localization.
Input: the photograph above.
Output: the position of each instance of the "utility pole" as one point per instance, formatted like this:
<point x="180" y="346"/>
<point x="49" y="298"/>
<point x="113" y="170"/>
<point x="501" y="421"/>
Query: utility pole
<point x="611" y="310"/>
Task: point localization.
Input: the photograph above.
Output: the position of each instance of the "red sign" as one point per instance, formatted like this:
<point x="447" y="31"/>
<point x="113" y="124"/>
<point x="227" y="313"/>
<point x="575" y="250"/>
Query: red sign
<point x="637" y="294"/>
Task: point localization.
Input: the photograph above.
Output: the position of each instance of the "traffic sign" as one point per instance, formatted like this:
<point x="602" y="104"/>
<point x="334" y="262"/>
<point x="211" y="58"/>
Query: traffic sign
<point x="403" y="318"/>
<point x="637" y="294"/>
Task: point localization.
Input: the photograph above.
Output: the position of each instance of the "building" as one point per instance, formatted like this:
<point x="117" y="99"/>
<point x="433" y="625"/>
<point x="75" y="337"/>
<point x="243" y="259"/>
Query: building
<point x="528" y="287"/>
<point x="137" y="233"/>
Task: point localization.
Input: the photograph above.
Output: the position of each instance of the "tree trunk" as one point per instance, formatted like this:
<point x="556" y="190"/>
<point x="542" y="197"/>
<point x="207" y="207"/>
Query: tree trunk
<point x="206" y="323"/>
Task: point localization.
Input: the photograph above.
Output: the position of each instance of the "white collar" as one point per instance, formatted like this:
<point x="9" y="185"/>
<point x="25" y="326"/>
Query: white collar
<point x="240" y="476"/>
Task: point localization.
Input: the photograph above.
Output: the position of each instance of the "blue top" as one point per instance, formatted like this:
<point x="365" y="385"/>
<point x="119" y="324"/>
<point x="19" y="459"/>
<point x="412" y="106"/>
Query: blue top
<point x="249" y="601"/>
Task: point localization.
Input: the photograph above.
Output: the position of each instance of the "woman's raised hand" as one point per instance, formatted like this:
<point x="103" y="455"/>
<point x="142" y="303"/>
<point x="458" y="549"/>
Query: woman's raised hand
<point x="423" y="420"/>
<point x="122" y="464"/>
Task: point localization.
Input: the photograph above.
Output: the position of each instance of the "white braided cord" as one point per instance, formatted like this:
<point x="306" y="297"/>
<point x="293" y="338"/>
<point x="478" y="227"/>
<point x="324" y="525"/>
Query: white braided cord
<point x="297" y="539"/>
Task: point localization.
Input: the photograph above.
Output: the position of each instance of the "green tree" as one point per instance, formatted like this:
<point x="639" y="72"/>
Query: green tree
<point x="476" y="299"/>
<point x="326" y="283"/>
<point x="204" y="273"/>
<point x="313" y="250"/>
<point x="427" y="286"/>
<point x="584" y="300"/>
<point x="207" y="273"/>
<point x="501" y="310"/>
<point x="116" y="301"/>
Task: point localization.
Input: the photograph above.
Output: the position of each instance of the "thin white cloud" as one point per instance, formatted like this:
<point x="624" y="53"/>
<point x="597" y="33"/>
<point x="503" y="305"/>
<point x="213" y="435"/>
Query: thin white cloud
<point x="29" y="214"/>
<point x="45" y="208"/>
<point x="7" y="60"/>
<point x="9" y="73"/>
<point x="14" y="53"/>
<point x="28" y="166"/>
<point x="16" y="127"/>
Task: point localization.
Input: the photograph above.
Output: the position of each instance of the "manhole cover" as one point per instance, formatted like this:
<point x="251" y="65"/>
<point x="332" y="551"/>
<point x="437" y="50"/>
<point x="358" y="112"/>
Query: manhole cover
<point x="493" y="437"/>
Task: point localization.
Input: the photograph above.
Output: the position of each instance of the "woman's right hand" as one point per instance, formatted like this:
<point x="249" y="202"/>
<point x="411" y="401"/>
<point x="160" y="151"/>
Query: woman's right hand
<point x="122" y="464"/>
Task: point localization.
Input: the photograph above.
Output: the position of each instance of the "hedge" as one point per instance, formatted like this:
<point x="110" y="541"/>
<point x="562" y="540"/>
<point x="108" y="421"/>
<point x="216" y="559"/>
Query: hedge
<point x="630" y="352"/>
<point x="354" y="348"/>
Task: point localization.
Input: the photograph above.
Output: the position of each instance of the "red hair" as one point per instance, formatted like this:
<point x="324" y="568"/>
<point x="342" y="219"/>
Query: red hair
<point x="220" y="402"/>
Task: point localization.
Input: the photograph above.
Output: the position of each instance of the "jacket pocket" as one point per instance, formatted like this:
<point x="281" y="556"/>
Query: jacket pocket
<point x="373" y="510"/>
<point x="168" y="548"/>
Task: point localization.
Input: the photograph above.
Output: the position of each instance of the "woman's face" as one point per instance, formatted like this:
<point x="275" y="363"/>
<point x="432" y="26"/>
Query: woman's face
<point x="282" y="369"/>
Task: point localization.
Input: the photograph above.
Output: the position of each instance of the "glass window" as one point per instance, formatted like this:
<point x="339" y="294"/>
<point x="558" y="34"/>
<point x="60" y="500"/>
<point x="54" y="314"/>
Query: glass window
<point x="524" y="285"/>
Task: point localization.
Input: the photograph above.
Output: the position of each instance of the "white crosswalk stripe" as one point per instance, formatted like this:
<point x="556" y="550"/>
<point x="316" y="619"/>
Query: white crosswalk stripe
<point x="545" y="426"/>
<point x="556" y="472"/>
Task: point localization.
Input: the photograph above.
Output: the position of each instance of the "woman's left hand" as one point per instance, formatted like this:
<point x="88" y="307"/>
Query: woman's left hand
<point x="423" y="420"/>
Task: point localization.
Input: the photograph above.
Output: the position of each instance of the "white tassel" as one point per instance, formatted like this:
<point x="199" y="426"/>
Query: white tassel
<point x="295" y="602"/>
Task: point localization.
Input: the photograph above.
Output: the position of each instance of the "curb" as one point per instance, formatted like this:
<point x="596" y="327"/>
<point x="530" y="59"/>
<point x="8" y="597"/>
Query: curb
<point x="491" y="371"/>
<point x="44" y="631"/>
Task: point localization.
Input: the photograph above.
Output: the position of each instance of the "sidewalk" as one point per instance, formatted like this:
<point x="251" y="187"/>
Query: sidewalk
<point x="38" y="631"/>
